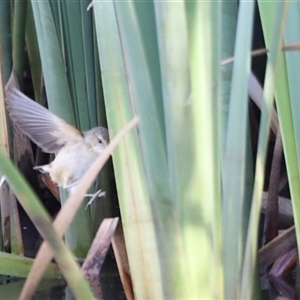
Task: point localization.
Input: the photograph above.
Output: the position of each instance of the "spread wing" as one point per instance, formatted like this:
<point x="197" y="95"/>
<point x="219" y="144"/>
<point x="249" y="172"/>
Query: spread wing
<point x="47" y="130"/>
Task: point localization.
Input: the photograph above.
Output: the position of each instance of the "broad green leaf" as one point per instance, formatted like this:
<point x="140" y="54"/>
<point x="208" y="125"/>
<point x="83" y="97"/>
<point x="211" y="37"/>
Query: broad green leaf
<point x="201" y="178"/>
<point x="235" y="157"/>
<point x="130" y="177"/>
<point x="79" y="235"/>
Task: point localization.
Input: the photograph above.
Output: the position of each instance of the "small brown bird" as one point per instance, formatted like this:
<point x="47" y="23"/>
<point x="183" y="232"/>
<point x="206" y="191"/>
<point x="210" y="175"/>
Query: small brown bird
<point x="75" y="150"/>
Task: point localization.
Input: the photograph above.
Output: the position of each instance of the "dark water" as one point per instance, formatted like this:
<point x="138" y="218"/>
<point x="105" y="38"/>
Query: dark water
<point x="57" y="289"/>
<point x="110" y="283"/>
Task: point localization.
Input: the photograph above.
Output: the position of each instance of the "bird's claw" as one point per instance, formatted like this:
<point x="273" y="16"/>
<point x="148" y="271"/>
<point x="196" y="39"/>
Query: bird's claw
<point x="90" y="6"/>
<point x="2" y="180"/>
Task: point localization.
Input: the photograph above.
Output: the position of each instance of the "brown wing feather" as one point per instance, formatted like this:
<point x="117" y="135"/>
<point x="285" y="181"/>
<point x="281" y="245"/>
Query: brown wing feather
<point x="47" y="130"/>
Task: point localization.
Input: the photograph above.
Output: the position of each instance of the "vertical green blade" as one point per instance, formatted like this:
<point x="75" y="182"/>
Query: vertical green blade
<point x="130" y="177"/>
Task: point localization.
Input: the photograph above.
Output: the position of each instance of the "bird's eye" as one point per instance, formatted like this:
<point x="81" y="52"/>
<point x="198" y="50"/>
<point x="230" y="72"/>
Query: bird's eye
<point x="100" y="141"/>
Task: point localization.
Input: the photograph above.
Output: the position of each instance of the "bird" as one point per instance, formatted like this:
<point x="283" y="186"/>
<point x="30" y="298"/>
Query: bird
<point x="75" y="150"/>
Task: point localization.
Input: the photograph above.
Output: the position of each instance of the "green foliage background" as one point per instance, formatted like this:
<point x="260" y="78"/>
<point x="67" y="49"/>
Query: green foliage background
<point x="189" y="198"/>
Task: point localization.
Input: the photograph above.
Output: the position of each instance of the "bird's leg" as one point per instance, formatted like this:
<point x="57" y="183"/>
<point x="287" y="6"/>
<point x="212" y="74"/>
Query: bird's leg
<point x="99" y="193"/>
